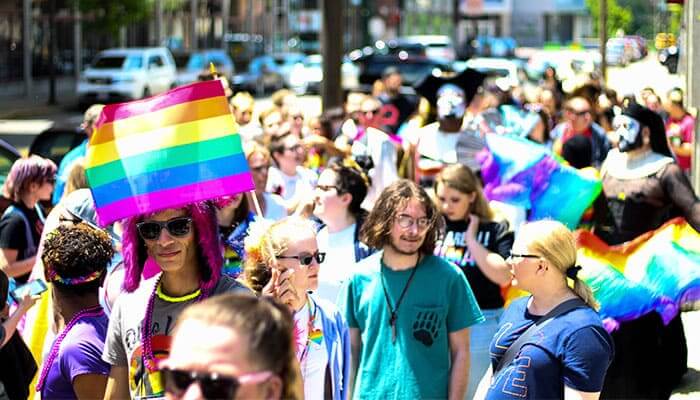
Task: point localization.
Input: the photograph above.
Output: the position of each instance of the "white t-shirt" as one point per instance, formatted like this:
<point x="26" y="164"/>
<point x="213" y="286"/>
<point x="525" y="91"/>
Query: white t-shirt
<point x="287" y="186"/>
<point x="275" y="209"/>
<point x="314" y="362"/>
<point x="339" y="263"/>
<point x="437" y="146"/>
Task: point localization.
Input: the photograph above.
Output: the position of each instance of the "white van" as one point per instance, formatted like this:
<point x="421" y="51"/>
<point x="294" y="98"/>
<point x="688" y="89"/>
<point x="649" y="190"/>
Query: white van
<point x="127" y="74"/>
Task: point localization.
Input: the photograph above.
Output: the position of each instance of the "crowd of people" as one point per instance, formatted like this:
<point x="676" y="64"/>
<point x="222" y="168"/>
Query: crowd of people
<point x="367" y="263"/>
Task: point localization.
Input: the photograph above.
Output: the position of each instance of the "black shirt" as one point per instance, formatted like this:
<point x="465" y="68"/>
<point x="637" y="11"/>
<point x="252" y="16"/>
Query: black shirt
<point x="494" y="236"/>
<point x="13" y="234"/>
<point x="401" y="104"/>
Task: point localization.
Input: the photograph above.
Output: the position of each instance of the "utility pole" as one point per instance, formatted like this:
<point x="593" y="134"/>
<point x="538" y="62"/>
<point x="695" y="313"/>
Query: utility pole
<point x="456" y="18"/>
<point x="193" y="25"/>
<point x="332" y="52"/>
<point x="52" y="52"/>
<point x="692" y="52"/>
<point x="603" y="33"/>
<point x="225" y="13"/>
<point x="77" y="42"/>
<point x="158" y="23"/>
<point x="27" y="41"/>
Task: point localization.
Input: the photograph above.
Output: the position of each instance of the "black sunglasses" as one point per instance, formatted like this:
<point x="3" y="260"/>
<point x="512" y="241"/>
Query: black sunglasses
<point x="307" y="259"/>
<point x="212" y="385"/>
<point x="177" y="227"/>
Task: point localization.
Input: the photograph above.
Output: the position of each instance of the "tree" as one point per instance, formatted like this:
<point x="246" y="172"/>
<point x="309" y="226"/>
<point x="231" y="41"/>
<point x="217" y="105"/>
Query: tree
<point x="618" y="17"/>
<point x="109" y="16"/>
<point x="643" y="22"/>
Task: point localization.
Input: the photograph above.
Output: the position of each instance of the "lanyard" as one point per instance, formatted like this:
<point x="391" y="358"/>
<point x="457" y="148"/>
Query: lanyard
<point x="393" y="310"/>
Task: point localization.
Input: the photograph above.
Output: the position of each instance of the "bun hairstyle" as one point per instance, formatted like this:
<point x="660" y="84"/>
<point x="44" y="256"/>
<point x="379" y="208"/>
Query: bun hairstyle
<point x="209" y="249"/>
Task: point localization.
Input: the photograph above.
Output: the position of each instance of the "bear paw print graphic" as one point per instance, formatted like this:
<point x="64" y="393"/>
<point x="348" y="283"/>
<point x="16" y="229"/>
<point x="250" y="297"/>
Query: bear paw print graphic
<point x="425" y="327"/>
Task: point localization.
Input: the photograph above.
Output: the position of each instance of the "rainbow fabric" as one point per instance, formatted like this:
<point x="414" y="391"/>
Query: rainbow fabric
<point x="658" y="271"/>
<point x="523" y="173"/>
<point x="316" y="336"/>
<point x="165" y="151"/>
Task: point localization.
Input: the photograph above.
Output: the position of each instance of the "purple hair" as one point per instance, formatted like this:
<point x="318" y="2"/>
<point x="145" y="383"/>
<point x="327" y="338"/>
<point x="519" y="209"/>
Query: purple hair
<point x="210" y="251"/>
<point x="24" y="172"/>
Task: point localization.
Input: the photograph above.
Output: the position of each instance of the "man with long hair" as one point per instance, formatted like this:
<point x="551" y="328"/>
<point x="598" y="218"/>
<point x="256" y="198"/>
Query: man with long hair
<point x="409" y="312"/>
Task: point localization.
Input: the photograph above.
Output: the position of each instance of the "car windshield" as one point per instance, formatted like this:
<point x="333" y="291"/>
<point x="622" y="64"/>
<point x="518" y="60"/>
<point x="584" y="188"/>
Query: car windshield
<point x="119" y="62"/>
<point x="197" y="62"/>
<point x="411" y="72"/>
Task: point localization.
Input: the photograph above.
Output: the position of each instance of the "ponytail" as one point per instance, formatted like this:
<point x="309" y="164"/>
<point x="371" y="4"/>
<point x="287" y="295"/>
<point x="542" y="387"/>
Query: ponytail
<point x="584" y="291"/>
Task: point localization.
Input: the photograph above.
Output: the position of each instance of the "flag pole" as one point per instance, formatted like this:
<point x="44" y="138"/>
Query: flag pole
<point x="256" y="203"/>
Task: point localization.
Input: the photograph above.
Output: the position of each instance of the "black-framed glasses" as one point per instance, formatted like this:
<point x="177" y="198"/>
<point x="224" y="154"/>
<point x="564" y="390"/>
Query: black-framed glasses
<point x="260" y="168"/>
<point x="516" y="258"/>
<point x="406" y="221"/>
<point x="212" y="385"/>
<point x="306" y="258"/>
<point x="177" y="227"/>
<point x="579" y="113"/>
<point x="295" y="148"/>
<point x="327" y="188"/>
<point x="51" y="180"/>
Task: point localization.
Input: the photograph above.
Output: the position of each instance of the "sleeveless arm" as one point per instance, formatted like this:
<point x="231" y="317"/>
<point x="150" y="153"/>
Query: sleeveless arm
<point x="678" y="190"/>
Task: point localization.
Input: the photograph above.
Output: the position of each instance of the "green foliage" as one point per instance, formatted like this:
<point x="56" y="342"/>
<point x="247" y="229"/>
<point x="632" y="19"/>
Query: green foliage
<point x="643" y="20"/>
<point x="109" y="16"/>
<point x="618" y="17"/>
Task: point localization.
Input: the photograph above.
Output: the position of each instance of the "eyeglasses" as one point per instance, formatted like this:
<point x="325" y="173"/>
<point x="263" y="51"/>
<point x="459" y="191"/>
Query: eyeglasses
<point x="327" y="188"/>
<point x="294" y="148"/>
<point x="51" y="180"/>
<point x="372" y="112"/>
<point x="515" y="258"/>
<point x="581" y="113"/>
<point x="177" y="227"/>
<point x="260" y="168"/>
<point x="406" y="221"/>
<point x="306" y="259"/>
<point x="212" y="385"/>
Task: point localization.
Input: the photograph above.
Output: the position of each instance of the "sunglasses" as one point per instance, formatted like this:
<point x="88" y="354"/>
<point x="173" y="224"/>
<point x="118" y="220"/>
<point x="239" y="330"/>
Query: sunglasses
<point x="212" y="385"/>
<point x="516" y="258"/>
<point x="51" y="180"/>
<point x="306" y="259"/>
<point x="260" y="169"/>
<point x="176" y="227"/>
<point x="327" y="188"/>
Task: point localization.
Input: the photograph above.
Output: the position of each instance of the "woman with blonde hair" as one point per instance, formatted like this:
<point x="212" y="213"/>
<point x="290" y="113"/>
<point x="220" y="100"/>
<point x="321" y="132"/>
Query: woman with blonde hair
<point x="283" y="261"/>
<point x="259" y="160"/>
<point x="559" y="346"/>
<point x="478" y="245"/>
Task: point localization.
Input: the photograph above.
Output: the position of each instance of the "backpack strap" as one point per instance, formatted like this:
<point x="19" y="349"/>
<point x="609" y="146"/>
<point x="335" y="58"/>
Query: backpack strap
<point x="515" y="347"/>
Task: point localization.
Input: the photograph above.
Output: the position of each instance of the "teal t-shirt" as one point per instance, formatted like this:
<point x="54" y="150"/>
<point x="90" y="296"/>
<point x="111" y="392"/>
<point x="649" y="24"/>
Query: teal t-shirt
<point x="437" y="302"/>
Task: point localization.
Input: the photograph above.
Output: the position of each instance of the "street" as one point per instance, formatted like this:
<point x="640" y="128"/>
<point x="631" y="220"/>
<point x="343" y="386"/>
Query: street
<point x="25" y="118"/>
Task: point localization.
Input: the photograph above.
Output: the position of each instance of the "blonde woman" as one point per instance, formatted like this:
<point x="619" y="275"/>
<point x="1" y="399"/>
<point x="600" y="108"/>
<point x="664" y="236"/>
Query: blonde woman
<point x="478" y="245"/>
<point x="283" y="261"/>
<point x="569" y="354"/>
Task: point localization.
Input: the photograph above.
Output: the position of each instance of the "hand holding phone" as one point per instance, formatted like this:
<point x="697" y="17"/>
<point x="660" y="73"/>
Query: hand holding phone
<point x="30" y="289"/>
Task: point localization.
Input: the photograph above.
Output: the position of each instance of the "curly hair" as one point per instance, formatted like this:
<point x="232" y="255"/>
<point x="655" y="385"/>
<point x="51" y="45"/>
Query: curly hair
<point x="263" y="249"/>
<point x="376" y="231"/>
<point x="75" y="252"/>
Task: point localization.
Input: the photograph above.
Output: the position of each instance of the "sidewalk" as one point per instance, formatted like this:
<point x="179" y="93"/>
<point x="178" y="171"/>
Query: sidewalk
<point x="15" y="104"/>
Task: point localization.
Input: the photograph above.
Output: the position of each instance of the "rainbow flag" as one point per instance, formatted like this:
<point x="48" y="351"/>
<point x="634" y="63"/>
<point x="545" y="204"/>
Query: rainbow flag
<point x="658" y="271"/>
<point x="165" y="151"/>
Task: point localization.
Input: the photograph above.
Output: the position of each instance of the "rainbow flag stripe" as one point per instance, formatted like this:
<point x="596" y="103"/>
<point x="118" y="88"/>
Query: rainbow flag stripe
<point x="165" y="151"/>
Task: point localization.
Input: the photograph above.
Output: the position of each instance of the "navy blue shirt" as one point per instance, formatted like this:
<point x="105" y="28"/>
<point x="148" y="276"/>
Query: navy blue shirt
<point x="572" y="350"/>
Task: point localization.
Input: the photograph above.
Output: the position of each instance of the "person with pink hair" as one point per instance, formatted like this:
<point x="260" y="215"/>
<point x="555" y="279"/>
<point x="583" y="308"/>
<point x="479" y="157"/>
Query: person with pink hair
<point x="31" y="179"/>
<point x="184" y="243"/>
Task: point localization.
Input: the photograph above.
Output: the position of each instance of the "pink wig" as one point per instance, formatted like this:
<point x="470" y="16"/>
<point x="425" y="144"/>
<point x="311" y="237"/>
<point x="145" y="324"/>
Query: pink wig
<point x="24" y="172"/>
<point x="210" y="251"/>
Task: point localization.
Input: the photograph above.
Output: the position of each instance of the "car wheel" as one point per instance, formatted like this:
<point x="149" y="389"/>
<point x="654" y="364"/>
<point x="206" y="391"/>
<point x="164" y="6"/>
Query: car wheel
<point x="146" y="92"/>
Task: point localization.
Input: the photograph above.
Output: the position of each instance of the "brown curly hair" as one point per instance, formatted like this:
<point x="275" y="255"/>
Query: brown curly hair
<point x="376" y="231"/>
<point x="76" y="251"/>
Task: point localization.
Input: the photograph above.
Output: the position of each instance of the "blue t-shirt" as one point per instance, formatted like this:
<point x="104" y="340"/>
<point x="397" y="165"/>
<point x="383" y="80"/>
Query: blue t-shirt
<point x="437" y="302"/>
<point x="572" y="350"/>
<point x="64" y="170"/>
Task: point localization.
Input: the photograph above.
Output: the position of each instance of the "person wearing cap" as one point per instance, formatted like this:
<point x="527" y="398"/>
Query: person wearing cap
<point x="184" y="243"/>
<point x="75" y="259"/>
<point x="394" y="101"/>
<point x="643" y="188"/>
<point x="87" y="126"/>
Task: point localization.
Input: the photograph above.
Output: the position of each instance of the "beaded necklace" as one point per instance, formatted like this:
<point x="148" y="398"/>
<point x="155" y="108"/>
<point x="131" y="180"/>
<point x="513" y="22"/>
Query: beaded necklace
<point x="148" y="358"/>
<point x="95" y="311"/>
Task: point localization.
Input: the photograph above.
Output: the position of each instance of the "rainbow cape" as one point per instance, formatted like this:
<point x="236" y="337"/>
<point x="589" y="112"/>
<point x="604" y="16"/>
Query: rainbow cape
<point x="525" y="174"/>
<point x="658" y="271"/>
<point x="165" y="151"/>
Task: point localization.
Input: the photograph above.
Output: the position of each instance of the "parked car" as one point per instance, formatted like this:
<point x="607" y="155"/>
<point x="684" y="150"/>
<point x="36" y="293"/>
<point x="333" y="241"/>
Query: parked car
<point x="127" y="74"/>
<point x="412" y="69"/>
<point x="311" y="76"/>
<point x="489" y="46"/>
<point x="199" y="61"/>
<point x="437" y="47"/>
<point x="616" y="53"/>
<point x="262" y="75"/>
<point x="290" y="65"/>
<point x="508" y="73"/>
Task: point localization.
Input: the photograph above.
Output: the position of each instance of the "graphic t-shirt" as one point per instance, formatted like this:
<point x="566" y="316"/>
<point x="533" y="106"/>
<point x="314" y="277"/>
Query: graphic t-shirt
<point x="437" y="302"/>
<point x="572" y="350"/>
<point x="79" y="354"/>
<point x="314" y="356"/>
<point x="495" y="237"/>
<point x="13" y="233"/>
<point x="123" y="345"/>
